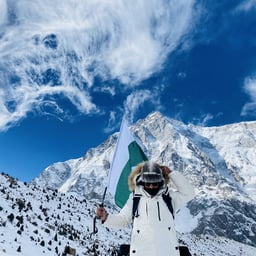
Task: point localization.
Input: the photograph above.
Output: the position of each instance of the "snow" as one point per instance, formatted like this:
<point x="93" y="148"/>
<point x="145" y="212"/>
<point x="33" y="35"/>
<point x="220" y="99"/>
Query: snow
<point x="215" y="246"/>
<point x="185" y="222"/>
<point x="76" y="212"/>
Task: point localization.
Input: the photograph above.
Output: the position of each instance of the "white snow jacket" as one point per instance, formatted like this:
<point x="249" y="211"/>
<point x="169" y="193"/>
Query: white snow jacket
<point x="153" y="231"/>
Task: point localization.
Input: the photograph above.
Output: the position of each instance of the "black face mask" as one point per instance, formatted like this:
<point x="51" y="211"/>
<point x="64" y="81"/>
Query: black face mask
<point x="152" y="191"/>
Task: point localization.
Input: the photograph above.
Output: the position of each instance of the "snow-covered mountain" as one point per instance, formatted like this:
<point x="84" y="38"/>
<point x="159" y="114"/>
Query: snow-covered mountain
<point x="36" y="220"/>
<point x="56" y="210"/>
<point x="219" y="161"/>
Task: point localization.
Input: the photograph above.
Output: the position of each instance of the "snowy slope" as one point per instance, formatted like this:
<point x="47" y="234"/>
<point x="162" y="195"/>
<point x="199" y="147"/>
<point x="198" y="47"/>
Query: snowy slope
<point x="42" y="221"/>
<point x="236" y="144"/>
<point x="45" y="221"/>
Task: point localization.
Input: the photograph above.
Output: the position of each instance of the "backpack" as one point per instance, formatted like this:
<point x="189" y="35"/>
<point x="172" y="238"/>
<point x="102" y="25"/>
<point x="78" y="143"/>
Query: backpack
<point x="125" y="248"/>
<point x="136" y="199"/>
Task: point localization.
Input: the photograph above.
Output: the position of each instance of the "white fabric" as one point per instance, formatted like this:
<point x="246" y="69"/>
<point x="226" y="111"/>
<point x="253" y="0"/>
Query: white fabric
<point x="153" y="232"/>
<point x="121" y="156"/>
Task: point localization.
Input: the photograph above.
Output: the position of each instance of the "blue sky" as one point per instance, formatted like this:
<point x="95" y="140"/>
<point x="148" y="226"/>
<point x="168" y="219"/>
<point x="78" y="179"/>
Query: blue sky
<point x="70" y="69"/>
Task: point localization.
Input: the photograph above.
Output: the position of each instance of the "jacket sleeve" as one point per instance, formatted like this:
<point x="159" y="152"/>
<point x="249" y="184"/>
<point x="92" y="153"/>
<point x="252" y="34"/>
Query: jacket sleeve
<point x="123" y="218"/>
<point x="183" y="192"/>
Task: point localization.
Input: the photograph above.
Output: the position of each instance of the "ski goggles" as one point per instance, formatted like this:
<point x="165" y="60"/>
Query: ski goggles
<point x="152" y="184"/>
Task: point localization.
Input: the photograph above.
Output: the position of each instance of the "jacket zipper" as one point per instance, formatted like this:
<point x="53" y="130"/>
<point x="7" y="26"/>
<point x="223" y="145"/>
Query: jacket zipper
<point x="158" y="209"/>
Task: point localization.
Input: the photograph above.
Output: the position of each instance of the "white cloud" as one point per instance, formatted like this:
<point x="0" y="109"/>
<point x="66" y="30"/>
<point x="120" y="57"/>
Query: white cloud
<point x="247" y="5"/>
<point x="23" y="99"/>
<point x="63" y="45"/>
<point x="182" y="75"/>
<point x="106" y="89"/>
<point x="113" y="122"/>
<point x="250" y="89"/>
<point x="3" y="12"/>
<point x="128" y="41"/>
<point x="203" y="119"/>
<point x="136" y="100"/>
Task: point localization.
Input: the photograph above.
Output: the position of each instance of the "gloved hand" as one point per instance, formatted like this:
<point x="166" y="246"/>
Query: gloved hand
<point x="101" y="213"/>
<point x="166" y="170"/>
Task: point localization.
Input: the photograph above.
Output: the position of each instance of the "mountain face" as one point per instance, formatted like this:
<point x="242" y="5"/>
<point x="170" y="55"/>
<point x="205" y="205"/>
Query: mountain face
<point x="219" y="161"/>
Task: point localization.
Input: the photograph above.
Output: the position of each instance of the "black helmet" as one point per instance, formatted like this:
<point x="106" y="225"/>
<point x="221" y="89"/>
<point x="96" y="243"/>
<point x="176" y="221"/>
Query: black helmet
<point x="151" y="173"/>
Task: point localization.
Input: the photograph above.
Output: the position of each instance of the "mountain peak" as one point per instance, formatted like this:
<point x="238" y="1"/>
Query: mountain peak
<point x="219" y="161"/>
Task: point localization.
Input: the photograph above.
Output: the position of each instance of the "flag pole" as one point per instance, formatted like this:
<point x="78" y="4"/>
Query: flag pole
<point x="95" y="229"/>
<point x="103" y="197"/>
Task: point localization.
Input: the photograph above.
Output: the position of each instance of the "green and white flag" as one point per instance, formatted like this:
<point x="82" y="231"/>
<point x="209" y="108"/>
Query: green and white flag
<point x="127" y="155"/>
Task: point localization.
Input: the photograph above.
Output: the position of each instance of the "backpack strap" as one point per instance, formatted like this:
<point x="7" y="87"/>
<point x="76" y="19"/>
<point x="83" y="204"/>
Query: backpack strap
<point x="168" y="201"/>
<point x="136" y="200"/>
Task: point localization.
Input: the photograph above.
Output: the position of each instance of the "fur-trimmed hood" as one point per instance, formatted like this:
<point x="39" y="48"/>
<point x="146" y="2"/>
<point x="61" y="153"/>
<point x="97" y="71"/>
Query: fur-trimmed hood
<point x="135" y="174"/>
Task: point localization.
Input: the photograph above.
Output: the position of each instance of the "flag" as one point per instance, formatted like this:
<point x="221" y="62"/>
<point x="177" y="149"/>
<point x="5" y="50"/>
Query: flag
<point x="127" y="155"/>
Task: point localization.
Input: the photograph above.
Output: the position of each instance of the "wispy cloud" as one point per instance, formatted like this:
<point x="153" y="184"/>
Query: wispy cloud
<point x="3" y="12"/>
<point x="249" y="87"/>
<point x="203" y="120"/>
<point x="64" y="45"/>
<point x="247" y="5"/>
<point x="137" y="99"/>
<point x="16" y="103"/>
<point x="114" y="120"/>
<point x="249" y="109"/>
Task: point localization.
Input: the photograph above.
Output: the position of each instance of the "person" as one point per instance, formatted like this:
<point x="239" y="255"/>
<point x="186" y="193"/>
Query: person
<point x="153" y="231"/>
